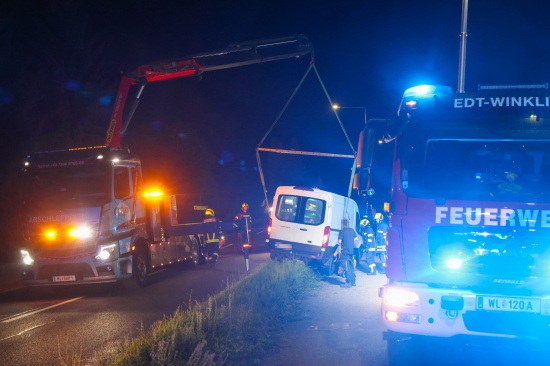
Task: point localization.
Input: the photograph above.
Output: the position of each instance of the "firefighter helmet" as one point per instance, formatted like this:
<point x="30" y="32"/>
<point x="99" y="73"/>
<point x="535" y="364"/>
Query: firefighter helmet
<point x="209" y="212"/>
<point x="364" y="222"/>
<point x="244" y="205"/>
<point x="378" y="217"/>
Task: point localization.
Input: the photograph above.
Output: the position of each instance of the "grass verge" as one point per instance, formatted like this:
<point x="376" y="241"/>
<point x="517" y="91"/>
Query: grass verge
<point x="235" y="327"/>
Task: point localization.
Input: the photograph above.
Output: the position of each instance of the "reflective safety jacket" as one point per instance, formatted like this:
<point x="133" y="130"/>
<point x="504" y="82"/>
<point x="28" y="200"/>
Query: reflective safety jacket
<point x="213" y="237"/>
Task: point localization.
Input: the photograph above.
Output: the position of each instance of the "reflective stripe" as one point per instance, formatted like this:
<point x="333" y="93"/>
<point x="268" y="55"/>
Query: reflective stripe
<point x="211" y="238"/>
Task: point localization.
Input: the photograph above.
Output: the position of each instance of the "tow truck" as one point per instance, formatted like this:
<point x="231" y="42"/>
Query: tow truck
<point x="90" y="218"/>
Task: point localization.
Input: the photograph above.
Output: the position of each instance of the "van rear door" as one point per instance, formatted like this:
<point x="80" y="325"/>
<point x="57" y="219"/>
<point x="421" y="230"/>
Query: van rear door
<point x="299" y="217"/>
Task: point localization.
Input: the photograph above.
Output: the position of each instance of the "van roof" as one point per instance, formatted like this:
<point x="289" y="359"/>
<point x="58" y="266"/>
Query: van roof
<point x="303" y="188"/>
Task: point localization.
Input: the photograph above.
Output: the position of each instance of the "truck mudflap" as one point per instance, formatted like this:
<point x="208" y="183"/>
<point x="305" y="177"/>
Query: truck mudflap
<point x="418" y="309"/>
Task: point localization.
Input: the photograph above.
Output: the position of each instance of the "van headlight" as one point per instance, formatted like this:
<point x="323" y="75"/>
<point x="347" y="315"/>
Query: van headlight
<point x="106" y="252"/>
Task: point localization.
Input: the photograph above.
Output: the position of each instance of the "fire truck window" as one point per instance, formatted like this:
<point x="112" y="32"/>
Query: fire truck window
<point x="484" y="168"/>
<point x="122" y="183"/>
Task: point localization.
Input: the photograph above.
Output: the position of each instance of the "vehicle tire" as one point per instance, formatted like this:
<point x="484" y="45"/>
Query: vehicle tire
<point x="331" y="268"/>
<point x="202" y="250"/>
<point x="195" y="253"/>
<point x="398" y="351"/>
<point x="140" y="268"/>
<point x="401" y="349"/>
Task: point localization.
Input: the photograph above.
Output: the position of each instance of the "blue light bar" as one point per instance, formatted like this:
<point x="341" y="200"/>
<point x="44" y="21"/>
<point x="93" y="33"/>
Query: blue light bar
<point x="427" y="91"/>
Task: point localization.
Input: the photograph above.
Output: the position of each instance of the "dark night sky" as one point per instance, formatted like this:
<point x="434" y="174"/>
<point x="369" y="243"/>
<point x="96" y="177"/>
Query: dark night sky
<point x="367" y="53"/>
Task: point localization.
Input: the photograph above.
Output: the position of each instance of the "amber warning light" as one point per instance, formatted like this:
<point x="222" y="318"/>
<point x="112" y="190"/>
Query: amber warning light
<point x="153" y="194"/>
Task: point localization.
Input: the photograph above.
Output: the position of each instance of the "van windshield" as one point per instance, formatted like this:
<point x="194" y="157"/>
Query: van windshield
<point x="302" y="210"/>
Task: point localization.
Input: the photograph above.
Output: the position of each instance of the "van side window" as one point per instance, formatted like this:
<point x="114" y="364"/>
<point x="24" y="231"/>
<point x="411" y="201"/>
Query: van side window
<point x="287" y="207"/>
<point x="299" y="209"/>
<point x="313" y="213"/>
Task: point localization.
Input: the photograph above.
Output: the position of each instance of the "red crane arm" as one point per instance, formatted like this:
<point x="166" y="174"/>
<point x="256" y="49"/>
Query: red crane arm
<point x="238" y="54"/>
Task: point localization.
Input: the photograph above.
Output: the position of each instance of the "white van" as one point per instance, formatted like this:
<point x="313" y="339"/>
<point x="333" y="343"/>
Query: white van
<point x="305" y="222"/>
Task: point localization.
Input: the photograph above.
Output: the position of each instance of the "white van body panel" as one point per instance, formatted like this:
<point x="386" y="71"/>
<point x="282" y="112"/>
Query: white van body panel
<point x="300" y="217"/>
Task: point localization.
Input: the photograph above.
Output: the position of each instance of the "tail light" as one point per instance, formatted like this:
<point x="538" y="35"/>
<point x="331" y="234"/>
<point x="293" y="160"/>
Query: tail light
<point x="326" y="236"/>
<point x="269" y="228"/>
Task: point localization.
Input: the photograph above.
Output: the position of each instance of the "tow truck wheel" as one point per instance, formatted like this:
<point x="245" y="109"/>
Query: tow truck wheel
<point x="195" y="253"/>
<point x="140" y="270"/>
<point x="202" y="250"/>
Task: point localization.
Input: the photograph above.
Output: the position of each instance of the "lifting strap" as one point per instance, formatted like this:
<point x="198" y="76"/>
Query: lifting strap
<point x="297" y="152"/>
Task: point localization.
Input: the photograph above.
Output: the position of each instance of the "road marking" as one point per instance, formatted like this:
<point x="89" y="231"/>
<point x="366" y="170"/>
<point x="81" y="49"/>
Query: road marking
<point x="26" y="330"/>
<point x="32" y="312"/>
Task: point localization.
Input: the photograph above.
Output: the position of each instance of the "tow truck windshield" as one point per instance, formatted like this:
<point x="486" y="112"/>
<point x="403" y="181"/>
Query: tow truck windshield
<point x="75" y="186"/>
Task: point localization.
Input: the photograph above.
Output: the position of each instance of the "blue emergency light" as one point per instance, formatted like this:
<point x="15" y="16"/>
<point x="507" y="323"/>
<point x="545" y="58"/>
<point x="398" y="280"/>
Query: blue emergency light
<point x="427" y="91"/>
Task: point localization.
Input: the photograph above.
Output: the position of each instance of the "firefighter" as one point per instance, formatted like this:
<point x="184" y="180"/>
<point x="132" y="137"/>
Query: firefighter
<point x="380" y="242"/>
<point x="212" y="238"/>
<point x="242" y="224"/>
<point x="347" y="241"/>
<point x="369" y="246"/>
<point x="510" y="185"/>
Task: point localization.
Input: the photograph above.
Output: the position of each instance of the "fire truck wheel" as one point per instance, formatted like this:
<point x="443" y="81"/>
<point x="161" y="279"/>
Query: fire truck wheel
<point x="402" y="348"/>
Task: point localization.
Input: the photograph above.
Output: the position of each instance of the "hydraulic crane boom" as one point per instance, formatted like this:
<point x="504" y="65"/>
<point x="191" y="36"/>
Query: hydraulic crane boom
<point x="237" y="54"/>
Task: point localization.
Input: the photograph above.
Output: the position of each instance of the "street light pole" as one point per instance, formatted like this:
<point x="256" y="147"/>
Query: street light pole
<point x="336" y="107"/>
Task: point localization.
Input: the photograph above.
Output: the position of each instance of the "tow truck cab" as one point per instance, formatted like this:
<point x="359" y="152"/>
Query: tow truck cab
<point x="83" y="212"/>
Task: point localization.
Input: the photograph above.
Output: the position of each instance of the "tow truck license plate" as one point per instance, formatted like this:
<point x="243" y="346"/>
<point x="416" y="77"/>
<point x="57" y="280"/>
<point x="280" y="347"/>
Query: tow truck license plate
<point x="514" y="304"/>
<point x="66" y="278"/>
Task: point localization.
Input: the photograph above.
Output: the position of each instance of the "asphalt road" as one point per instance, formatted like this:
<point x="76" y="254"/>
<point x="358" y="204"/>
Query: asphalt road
<point x="336" y="326"/>
<point x="333" y="326"/>
<point x="47" y="327"/>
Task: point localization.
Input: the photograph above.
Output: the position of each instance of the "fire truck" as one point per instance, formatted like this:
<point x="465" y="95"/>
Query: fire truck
<point x="468" y="255"/>
<point x="467" y="248"/>
<point x="89" y="215"/>
<point x="468" y="201"/>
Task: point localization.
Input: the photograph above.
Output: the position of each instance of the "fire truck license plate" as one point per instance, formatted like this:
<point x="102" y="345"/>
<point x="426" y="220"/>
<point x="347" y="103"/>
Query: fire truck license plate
<point x="66" y="278"/>
<point x="515" y="304"/>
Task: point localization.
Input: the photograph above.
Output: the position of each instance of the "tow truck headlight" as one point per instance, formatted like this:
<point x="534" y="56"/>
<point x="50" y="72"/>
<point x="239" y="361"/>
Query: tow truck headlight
<point x="400" y="297"/>
<point x="26" y="257"/>
<point x="105" y="252"/>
